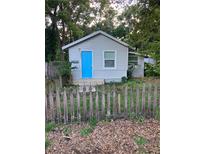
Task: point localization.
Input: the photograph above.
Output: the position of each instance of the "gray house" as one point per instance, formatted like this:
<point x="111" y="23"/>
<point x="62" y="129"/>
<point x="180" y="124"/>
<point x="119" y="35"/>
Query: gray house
<point x="98" y="57"/>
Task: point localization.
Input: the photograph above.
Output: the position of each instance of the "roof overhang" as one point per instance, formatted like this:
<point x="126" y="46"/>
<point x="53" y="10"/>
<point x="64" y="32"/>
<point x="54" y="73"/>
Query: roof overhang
<point x="93" y="35"/>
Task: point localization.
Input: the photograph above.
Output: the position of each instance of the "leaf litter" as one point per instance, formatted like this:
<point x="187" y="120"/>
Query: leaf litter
<point x="115" y="137"/>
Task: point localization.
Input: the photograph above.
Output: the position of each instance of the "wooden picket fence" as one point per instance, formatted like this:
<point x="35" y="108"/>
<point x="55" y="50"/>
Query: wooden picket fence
<point x="108" y="101"/>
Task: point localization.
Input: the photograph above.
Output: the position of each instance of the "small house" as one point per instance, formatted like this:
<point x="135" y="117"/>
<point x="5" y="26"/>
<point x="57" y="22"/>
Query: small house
<point x="98" y="57"/>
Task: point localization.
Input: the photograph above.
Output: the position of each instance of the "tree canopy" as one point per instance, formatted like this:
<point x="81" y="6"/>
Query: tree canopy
<point x="137" y="24"/>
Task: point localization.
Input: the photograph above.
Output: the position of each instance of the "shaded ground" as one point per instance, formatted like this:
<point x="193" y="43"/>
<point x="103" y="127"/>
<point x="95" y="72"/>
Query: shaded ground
<point x="116" y="137"/>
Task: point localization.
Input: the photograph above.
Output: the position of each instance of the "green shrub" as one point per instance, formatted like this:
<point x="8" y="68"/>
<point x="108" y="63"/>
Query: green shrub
<point x="152" y="69"/>
<point x="124" y="79"/>
<point x="49" y="126"/>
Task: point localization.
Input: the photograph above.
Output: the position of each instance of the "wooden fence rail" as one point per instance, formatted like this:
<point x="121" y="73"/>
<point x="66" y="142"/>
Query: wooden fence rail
<point x="71" y="104"/>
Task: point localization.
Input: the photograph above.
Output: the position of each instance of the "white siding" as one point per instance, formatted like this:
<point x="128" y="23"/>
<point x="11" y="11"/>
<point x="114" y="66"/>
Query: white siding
<point x="97" y="45"/>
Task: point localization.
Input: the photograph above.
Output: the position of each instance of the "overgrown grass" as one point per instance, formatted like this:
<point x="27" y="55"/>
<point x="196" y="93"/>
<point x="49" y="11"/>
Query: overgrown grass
<point x="47" y="143"/>
<point x="49" y="126"/>
<point x="66" y="131"/>
<point x="92" y="124"/>
<point x="86" y="131"/>
<point x="140" y="140"/>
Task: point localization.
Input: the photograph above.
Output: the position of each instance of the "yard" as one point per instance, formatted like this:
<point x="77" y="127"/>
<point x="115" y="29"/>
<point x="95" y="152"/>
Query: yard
<point x="120" y="136"/>
<point x="135" y="133"/>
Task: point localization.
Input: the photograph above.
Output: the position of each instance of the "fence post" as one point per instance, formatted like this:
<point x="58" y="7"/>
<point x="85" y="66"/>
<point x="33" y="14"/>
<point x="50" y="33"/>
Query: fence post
<point x="78" y="109"/>
<point x="131" y="100"/>
<point x="58" y="105"/>
<point x="149" y="98"/>
<point x="51" y="106"/>
<point x="60" y="81"/>
<point x="46" y="107"/>
<point x="108" y="103"/>
<point x="114" y="107"/>
<point x="137" y="99"/>
<point x="96" y="104"/>
<point x="119" y="103"/>
<point x="103" y="101"/>
<point x="126" y="100"/>
<point x="143" y="98"/>
<point x="65" y="106"/>
<point x="91" y="102"/>
<point x="155" y="99"/>
<point x="84" y="103"/>
<point x="71" y="106"/>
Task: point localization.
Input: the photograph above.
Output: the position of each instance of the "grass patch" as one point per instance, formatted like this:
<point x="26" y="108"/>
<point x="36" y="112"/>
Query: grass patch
<point x="92" y="124"/>
<point x="66" y="131"/>
<point x="49" y="126"/>
<point x="140" y="140"/>
<point x="86" y="131"/>
<point x="47" y="143"/>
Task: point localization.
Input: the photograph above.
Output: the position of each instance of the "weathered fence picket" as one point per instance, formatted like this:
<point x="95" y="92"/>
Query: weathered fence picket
<point x="46" y="108"/>
<point x="114" y="108"/>
<point x="131" y="100"/>
<point x="125" y="110"/>
<point x="65" y="106"/>
<point x="149" y="98"/>
<point x="91" y="102"/>
<point x="84" y="103"/>
<point x="108" y="104"/>
<point x="78" y="106"/>
<point x="137" y="99"/>
<point x="58" y="103"/>
<point x="119" y="103"/>
<point x="52" y="118"/>
<point x="96" y="105"/>
<point x="102" y="103"/>
<point x="155" y="98"/>
<point x="71" y="106"/>
<point x="143" y="98"/>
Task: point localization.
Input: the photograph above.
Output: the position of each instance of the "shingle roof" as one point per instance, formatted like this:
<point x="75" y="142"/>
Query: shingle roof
<point x="93" y="35"/>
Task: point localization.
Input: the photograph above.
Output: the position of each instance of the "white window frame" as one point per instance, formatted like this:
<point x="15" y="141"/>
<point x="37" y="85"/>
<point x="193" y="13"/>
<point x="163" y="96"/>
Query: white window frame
<point x="104" y="60"/>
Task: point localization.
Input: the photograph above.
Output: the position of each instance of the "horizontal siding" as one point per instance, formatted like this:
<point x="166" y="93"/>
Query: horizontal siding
<point x="97" y="45"/>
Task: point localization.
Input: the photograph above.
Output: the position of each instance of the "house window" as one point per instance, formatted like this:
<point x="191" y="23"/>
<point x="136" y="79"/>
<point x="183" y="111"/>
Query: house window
<point x="109" y="59"/>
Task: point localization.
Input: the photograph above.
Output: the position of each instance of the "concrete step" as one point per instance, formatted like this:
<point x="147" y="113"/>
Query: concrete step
<point x="89" y="82"/>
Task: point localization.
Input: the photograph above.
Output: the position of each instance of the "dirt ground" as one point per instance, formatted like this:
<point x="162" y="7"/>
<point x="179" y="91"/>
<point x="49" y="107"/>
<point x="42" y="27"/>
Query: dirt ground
<point x="115" y="137"/>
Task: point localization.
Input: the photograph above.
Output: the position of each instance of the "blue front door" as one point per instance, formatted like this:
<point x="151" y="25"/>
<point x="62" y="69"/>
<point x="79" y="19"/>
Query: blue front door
<point x="86" y="64"/>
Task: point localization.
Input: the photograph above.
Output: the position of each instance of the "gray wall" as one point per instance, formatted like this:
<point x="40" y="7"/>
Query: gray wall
<point x="97" y="45"/>
<point x="139" y="70"/>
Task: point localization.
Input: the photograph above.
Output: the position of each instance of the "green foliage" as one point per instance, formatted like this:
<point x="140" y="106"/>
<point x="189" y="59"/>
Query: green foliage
<point x="157" y="114"/>
<point x="93" y="122"/>
<point x="47" y="143"/>
<point x="140" y="118"/>
<point x="130" y="71"/>
<point x="66" y="131"/>
<point x="64" y="68"/>
<point x="49" y="126"/>
<point x="151" y="69"/>
<point x="86" y="131"/>
<point x="138" y="25"/>
<point x="140" y="140"/>
<point x="124" y="79"/>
